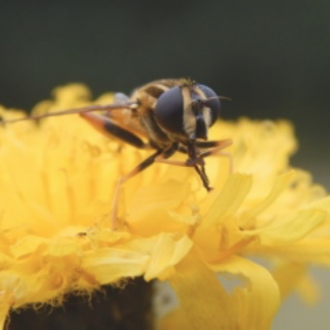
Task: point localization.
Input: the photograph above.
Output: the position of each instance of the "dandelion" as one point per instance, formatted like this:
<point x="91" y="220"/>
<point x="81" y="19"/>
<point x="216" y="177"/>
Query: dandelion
<point x="57" y="181"/>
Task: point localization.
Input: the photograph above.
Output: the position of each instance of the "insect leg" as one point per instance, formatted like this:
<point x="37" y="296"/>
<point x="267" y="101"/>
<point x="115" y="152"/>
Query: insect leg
<point x="197" y="162"/>
<point x="200" y="169"/>
<point x="201" y="172"/>
<point x="216" y="149"/>
<point x="218" y="145"/>
<point x="109" y="128"/>
<point x="142" y="166"/>
<point x="213" y="145"/>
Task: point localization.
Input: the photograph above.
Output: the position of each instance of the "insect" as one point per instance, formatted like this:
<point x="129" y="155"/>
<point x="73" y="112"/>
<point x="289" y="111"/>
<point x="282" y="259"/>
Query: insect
<point x="168" y="116"/>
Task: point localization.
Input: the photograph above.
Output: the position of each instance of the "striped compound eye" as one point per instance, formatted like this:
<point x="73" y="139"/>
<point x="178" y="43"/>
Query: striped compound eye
<point x="193" y="119"/>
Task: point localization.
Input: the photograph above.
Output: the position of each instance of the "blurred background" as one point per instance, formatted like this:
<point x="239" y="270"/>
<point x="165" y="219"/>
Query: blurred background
<point x="272" y="58"/>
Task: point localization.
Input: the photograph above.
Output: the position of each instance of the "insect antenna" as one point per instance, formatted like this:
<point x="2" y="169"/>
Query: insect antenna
<point x="110" y="107"/>
<point x="219" y="97"/>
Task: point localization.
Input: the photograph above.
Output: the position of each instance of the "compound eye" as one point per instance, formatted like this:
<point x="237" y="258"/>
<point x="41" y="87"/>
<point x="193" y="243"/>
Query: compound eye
<point x="213" y="104"/>
<point x="169" y="110"/>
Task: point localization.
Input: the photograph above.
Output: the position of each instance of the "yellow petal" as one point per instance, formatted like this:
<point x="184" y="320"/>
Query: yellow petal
<point x="175" y="320"/>
<point x="166" y="253"/>
<point x="229" y="200"/>
<point x="109" y="265"/>
<point x="287" y="275"/>
<point x="26" y="245"/>
<point x="203" y="300"/>
<point x="309" y="290"/>
<point x="258" y="301"/>
<point x="4" y="311"/>
<point x="159" y="207"/>
<point x="290" y="228"/>
<point x="293" y="276"/>
<point x="279" y="186"/>
<point x="314" y="251"/>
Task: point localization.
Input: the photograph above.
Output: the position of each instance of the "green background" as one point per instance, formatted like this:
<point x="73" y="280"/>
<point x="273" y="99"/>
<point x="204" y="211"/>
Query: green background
<point x="271" y="57"/>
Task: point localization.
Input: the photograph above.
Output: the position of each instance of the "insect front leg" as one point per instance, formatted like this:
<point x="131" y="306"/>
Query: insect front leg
<point x="216" y="150"/>
<point x="142" y="166"/>
<point x="197" y="162"/>
<point x="200" y="169"/>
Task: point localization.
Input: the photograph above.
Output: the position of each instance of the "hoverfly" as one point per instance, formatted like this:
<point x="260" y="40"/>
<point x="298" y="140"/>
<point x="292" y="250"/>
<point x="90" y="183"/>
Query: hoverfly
<point x="167" y="115"/>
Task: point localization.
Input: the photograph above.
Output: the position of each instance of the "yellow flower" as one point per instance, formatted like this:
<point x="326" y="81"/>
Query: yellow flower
<point x="57" y="182"/>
